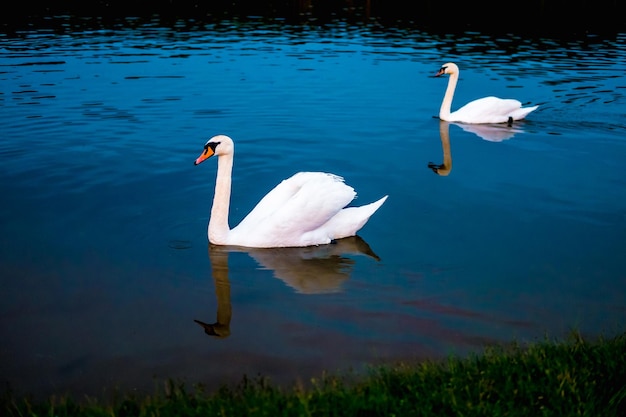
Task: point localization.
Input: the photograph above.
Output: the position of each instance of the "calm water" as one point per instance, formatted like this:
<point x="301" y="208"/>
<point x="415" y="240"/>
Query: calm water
<point x="103" y="247"/>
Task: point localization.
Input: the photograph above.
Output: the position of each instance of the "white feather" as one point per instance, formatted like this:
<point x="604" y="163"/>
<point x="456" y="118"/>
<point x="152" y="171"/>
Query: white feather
<point x="483" y="110"/>
<point x="306" y="209"/>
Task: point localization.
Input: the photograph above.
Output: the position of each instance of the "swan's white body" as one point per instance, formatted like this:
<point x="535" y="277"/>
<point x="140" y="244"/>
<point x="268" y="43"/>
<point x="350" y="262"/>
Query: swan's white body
<point x="483" y="110"/>
<point x="307" y="209"/>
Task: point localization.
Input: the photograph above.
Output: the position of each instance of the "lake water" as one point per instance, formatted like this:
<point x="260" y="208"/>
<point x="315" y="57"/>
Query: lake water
<point x="103" y="246"/>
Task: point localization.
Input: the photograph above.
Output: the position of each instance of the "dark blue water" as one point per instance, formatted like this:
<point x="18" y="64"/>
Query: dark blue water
<point x="103" y="247"/>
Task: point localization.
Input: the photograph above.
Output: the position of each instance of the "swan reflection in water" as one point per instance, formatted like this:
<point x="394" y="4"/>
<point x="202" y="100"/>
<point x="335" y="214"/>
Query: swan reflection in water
<point x="307" y="270"/>
<point x="444" y="168"/>
<point x="491" y="133"/>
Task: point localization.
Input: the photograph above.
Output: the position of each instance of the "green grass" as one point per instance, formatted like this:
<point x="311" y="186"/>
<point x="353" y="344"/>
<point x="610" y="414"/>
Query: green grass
<point x="576" y="377"/>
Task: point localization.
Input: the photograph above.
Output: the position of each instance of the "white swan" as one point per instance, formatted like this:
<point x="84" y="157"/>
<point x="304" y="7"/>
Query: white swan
<point x="307" y="209"/>
<point x="483" y="110"/>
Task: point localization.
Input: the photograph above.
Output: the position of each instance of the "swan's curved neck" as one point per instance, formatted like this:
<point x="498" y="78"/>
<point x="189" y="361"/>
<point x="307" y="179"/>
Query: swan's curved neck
<point x="446" y="104"/>
<point x="218" y="224"/>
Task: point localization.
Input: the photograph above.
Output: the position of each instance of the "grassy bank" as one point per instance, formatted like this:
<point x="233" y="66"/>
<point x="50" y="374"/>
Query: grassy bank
<point x="577" y="377"/>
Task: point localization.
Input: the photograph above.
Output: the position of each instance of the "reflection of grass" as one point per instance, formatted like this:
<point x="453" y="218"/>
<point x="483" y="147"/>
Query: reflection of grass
<point x="572" y="378"/>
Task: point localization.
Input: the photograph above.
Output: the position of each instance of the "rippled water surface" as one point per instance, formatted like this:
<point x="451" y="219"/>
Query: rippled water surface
<point x="510" y="233"/>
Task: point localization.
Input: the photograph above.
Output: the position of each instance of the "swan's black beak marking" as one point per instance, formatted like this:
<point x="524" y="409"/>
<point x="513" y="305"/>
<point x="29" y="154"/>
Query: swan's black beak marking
<point x="441" y="71"/>
<point x="209" y="151"/>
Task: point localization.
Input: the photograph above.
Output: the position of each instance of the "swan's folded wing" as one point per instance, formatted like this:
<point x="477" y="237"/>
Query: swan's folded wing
<point x="273" y="200"/>
<point x="297" y="205"/>
<point x="487" y="110"/>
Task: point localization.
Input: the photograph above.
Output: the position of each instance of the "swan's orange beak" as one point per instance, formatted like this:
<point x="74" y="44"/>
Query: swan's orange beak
<point x="441" y="71"/>
<point x="206" y="154"/>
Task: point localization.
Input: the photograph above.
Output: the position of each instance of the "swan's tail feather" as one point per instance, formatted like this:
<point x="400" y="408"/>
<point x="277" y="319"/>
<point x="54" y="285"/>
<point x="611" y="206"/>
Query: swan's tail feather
<point x="351" y="219"/>
<point x="521" y="113"/>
